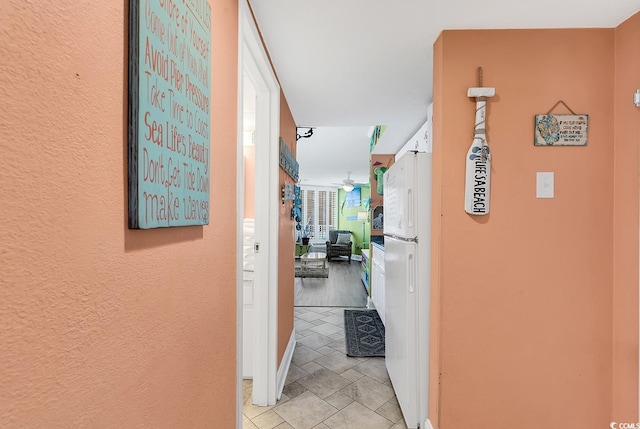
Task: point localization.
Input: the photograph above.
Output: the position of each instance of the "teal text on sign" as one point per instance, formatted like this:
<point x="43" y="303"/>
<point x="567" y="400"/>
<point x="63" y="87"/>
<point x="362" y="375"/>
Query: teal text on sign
<point x="170" y="110"/>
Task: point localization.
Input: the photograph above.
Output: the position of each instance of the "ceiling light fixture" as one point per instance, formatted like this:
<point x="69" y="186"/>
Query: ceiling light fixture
<point x="306" y="135"/>
<point x="347" y="184"/>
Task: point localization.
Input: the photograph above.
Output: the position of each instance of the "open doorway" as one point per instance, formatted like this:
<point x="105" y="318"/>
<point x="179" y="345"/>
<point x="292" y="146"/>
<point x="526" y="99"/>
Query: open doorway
<point x="262" y="130"/>
<point x="248" y="225"/>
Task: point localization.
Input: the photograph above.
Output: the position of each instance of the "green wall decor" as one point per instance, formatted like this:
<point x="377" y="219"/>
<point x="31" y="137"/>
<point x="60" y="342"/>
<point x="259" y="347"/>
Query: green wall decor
<point x="353" y="198"/>
<point x="348" y="219"/>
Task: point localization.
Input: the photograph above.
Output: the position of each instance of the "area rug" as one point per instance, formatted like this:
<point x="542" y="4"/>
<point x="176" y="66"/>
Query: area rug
<point x="364" y="333"/>
<point x="314" y="272"/>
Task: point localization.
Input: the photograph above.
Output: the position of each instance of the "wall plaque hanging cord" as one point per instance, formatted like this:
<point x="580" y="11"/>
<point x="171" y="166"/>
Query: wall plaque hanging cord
<point x="478" y="161"/>
<point x="561" y="130"/>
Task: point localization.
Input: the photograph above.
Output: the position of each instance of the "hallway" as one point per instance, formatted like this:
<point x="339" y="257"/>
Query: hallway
<point x="325" y="388"/>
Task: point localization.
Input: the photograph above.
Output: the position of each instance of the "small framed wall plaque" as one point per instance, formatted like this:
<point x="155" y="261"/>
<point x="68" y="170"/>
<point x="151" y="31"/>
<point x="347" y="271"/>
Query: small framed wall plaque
<point x="377" y="219"/>
<point x="169" y="150"/>
<point x="561" y="130"/>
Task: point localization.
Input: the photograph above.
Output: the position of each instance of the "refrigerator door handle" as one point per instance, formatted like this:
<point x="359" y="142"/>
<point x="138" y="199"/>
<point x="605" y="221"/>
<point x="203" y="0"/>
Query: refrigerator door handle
<point x="410" y="273"/>
<point x="409" y="208"/>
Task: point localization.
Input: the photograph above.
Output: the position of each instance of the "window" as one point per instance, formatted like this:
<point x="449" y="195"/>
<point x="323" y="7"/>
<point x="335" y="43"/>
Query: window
<point x="320" y="211"/>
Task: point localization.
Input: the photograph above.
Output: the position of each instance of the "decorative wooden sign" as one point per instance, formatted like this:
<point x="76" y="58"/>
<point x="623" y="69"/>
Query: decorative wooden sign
<point x="561" y="130"/>
<point x="288" y="161"/>
<point x="169" y="113"/>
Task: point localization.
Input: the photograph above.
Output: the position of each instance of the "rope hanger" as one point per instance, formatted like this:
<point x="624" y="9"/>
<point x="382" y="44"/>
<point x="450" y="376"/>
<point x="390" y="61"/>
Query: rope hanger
<point x="564" y="104"/>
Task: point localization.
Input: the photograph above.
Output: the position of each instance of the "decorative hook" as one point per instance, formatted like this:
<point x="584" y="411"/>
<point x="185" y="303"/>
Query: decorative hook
<point x="306" y="135"/>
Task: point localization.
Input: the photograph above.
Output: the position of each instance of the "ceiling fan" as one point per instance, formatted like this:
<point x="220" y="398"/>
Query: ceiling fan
<point x="347" y="184"/>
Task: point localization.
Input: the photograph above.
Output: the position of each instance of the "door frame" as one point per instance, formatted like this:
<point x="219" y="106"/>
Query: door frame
<point x="253" y="60"/>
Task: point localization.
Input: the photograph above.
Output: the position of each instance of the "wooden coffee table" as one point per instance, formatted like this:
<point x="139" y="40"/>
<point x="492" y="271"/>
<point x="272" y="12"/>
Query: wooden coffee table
<point x="313" y="259"/>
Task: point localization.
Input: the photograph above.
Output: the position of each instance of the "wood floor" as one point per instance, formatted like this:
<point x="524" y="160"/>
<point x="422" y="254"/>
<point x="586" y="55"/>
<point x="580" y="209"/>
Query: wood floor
<point x="343" y="288"/>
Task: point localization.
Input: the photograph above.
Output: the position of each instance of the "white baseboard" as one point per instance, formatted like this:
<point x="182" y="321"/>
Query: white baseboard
<point x="283" y="370"/>
<point x="427" y="424"/>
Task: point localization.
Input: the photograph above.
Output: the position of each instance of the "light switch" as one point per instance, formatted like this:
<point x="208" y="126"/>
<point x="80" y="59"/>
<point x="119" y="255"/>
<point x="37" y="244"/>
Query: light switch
<point x="544" y="184"/>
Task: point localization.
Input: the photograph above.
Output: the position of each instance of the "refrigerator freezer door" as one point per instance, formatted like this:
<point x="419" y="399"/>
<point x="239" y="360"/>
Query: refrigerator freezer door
<point x="407" y="196"/>
<point x="401" y="329"/>
<point x="398" y="193"/>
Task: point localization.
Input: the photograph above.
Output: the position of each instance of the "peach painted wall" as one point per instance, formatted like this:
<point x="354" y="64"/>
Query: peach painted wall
<point x="626" y="217"/>
<point x="286" y="239"/>
<point x="103" y="326"/>
<point x="249" y="181"/>
<point x="525" y="292"/>
<point x="436" y="230"/>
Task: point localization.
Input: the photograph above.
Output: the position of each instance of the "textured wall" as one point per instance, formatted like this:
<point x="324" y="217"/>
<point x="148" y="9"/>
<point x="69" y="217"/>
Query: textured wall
<point x="103" y="326"/>
<point x="436" y="232"/>
<point x="526" y="292"/>
<point x="286" y="239"/>
<point x="625" y="261"/>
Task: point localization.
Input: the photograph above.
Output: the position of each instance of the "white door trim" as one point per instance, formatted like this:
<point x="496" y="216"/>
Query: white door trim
<point x="254" y="61"/>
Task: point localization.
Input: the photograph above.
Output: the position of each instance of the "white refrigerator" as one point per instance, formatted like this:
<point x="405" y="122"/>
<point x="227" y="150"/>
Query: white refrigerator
<point x="407" y="258"/>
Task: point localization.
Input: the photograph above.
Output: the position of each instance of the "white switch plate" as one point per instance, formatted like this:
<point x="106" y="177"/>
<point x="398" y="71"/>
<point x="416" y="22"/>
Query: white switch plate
<point x="544" y="184"/>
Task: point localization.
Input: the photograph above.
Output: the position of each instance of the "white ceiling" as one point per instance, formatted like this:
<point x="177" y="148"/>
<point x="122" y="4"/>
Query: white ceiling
<point x="331" y="152"/>
<point x="351" y="64"/>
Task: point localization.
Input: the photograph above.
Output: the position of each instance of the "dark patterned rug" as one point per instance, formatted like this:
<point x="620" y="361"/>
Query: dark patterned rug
<point x="364" y="333"/>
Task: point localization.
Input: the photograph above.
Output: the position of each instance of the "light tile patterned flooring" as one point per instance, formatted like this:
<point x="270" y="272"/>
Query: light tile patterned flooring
<point x="324" y="387"/>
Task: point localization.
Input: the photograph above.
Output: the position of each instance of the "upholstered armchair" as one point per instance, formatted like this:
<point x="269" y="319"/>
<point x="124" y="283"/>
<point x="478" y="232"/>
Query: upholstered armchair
<point x="339" y="244"/>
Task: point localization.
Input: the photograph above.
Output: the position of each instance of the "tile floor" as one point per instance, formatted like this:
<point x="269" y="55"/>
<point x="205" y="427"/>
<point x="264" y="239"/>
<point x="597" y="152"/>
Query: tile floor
<point x="326" y="389"/>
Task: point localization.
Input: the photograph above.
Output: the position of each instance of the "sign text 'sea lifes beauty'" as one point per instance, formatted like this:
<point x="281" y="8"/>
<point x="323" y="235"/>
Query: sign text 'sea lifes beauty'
<point x="169" y="113"/>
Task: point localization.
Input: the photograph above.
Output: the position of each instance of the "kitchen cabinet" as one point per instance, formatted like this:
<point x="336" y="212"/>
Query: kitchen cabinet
<point x="377" y="279"/>
<point x="364" y="270"/>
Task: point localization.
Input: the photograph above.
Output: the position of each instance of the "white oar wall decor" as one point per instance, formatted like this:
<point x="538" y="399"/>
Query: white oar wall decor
<point x="478" y="173"/>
